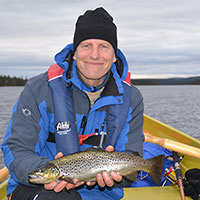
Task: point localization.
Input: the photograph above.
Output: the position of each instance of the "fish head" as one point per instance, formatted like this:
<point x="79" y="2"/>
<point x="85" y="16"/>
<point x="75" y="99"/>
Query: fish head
<point x="45" y="174"/>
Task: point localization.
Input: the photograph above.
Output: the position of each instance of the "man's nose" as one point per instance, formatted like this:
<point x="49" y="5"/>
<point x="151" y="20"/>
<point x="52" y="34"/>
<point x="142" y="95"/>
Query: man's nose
<point x="95" y="52"/>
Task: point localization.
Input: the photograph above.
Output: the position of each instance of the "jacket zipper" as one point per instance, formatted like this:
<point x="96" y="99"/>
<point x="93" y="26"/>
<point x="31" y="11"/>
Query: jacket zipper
<point x="83" y="124"/>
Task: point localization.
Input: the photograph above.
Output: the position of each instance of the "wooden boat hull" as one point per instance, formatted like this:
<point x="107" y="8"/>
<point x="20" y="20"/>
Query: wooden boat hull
<point x="162" y="130"/>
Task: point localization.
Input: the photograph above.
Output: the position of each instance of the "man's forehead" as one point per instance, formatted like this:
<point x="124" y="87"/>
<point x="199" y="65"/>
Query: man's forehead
<point x="96" y="41"/>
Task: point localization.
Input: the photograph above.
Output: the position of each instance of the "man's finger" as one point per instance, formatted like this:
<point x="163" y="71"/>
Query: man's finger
<point x="107" y="179"/>
<point x="116" y="176"/>
<point x="70" y="186"/>
<point x="79" y="183"/>
<point x="109" y="148"/>
<point x="59" y="155"/>
<point x="100" y="180"/>
<point x="50" y="186"/>
<point x="91" y="183"/>
<point x="60" y="186"/>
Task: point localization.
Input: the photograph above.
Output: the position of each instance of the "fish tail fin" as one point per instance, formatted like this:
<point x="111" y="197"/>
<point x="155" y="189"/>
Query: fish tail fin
<point x="157" y="168"/>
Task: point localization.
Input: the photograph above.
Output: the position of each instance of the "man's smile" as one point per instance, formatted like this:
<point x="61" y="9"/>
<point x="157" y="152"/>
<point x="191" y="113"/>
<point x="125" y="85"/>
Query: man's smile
<point x="94" y="63"/>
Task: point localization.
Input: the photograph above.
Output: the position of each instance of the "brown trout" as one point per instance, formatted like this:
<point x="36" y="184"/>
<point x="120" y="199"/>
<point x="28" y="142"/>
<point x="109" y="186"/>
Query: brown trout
<point x="85" y="165"/>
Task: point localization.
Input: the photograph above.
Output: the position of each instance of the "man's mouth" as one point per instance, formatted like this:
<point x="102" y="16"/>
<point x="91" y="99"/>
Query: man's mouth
<point x="94" y="63"/>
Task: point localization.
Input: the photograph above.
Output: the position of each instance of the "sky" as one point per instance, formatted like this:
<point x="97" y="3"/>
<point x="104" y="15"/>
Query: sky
<point x="160" y="38"/>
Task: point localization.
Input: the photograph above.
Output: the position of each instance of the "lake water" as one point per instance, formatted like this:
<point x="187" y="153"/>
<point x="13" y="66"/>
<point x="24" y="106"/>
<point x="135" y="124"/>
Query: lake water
<point x="178" y="106"/>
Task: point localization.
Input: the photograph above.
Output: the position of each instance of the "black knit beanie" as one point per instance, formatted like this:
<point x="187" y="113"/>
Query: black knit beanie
<point x="95" y="24"/>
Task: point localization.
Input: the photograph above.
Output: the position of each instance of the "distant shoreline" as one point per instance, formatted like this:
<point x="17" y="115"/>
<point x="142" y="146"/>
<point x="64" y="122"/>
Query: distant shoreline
<point x="167" y="81"/>
<point x="14" y="81"/>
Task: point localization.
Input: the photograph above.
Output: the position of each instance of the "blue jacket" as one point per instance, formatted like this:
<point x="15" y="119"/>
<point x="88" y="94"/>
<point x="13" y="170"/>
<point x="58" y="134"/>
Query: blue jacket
<point x="26" y="145"/>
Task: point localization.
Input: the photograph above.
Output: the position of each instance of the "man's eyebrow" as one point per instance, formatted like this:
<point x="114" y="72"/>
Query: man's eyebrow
<point x="106" y="43"/>
<point x="85" y="42"/>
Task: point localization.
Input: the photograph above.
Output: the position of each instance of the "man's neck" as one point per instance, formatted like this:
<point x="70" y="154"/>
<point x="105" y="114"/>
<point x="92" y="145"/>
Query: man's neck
<point x="98" y="85"/>
<point x="93" y="96"/>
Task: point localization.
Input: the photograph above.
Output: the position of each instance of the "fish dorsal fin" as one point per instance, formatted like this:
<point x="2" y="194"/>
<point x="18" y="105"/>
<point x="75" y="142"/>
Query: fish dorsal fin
<point x="135" y="153"/>
<point x="94" y="149"/>
<point x="133" y="176"/>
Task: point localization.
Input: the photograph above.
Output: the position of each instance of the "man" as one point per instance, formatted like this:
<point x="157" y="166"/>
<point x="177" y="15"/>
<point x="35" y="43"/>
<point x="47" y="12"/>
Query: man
<point x="87" y="91"/>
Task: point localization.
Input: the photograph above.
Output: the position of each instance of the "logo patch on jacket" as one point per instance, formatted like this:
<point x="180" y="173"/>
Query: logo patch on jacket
<point x="26" y="112"/>
<point x="63" y="128"/>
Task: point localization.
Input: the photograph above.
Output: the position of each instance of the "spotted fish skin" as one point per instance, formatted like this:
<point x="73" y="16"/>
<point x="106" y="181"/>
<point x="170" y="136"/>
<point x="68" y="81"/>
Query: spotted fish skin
<point x="86" y="165"/>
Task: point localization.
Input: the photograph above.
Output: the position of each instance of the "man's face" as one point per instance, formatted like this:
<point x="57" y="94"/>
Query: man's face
<point x="94" y="58"/>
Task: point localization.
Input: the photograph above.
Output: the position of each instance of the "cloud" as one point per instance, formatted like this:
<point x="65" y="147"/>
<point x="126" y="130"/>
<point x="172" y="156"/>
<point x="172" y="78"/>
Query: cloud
<point x="161" y="34"/>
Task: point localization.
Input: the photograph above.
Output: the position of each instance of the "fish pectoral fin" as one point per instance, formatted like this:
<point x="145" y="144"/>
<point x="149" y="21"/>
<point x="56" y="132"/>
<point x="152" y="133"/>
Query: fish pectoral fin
<point x="132" y="177"/>
<point x="67" y="179"/>
<point x="93" y="180"/>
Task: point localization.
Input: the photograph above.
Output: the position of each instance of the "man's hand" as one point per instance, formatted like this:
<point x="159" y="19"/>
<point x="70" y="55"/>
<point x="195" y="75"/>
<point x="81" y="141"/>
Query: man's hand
<point x="57" y="187"/>
<point x="104" y="179"/>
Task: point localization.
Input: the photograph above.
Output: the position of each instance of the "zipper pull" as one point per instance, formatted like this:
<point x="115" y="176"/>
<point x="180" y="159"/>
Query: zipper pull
<point x="103" y="136"/>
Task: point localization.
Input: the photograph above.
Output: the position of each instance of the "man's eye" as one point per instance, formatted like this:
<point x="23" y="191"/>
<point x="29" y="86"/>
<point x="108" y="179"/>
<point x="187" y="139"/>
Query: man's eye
<point x="104" y="46"/>
<point x="85" y="45"/>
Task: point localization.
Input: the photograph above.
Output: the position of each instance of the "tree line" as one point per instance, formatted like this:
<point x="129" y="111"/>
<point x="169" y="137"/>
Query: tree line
<point x="12" y="81"/>
<point x="168" y="81"/>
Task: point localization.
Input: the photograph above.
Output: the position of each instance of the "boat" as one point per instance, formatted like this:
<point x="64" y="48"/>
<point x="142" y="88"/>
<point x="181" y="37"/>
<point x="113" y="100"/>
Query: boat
<point x="162" y="130"/>
<point x="157" y="129"/>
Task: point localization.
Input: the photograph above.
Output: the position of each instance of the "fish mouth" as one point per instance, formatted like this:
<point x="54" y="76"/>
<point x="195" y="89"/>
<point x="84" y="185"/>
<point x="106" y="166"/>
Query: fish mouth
<point x="32" y="176"/>
<point x="39" y="179"/>
<point x="35" y="178"/>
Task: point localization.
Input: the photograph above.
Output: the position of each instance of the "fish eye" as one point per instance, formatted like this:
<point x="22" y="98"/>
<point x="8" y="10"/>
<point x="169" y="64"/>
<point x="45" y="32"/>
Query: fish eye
<point x="40" y="170"/>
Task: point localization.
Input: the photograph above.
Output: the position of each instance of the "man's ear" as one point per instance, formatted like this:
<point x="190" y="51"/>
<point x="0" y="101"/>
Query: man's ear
<point x="114" y="59"/>
<point x="74" y="56"/>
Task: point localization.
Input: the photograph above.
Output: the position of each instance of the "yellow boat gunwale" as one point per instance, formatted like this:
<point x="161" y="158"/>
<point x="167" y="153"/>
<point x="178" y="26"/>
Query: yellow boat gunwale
<point x="163" y="130"/>
<point x="3" y="190"/>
